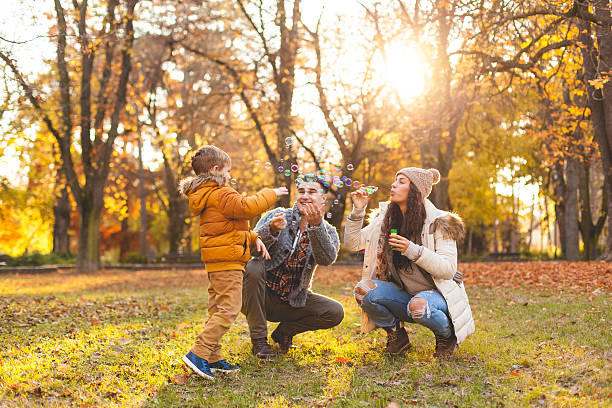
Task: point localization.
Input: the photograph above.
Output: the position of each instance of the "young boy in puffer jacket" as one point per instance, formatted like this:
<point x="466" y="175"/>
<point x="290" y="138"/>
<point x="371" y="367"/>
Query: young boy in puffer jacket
<point x="225" y="242"/>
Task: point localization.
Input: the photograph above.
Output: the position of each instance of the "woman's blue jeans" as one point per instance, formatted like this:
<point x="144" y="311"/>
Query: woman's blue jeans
<point x="386" y="304"/>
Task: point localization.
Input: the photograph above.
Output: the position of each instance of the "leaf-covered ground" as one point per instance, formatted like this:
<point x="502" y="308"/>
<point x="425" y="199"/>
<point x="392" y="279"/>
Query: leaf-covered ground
<point x="115" y="338"/>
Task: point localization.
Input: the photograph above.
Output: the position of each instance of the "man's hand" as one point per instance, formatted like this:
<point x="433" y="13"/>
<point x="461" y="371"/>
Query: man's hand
<point x="281" y="191"/>
<point x="277" y="223"/>
<point x="313" y="214"/>
<point x="360" y="199"/>
<point x="260" y="247"/>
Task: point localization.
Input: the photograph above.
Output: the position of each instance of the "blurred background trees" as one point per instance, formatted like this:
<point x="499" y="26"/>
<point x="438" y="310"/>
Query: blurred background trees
<point x="509" y="100"/>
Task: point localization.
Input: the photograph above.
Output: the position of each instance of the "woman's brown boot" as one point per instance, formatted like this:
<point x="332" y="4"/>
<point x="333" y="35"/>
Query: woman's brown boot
<point x="397" y="339"/>
<point x="445" y="347"/>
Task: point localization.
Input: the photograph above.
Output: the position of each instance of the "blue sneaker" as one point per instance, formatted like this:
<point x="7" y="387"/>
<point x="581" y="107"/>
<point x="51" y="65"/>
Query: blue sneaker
<point x="198" y="365"/>
<point x="224" y="367"/>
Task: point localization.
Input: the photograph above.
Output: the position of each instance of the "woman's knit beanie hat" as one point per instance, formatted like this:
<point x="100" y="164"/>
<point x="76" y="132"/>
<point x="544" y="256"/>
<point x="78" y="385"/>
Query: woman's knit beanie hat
<point x="422" y="178"/>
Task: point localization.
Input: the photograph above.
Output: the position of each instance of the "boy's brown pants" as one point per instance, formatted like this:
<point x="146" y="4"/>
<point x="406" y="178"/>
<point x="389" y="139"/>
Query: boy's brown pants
<point x="224" y="303"/>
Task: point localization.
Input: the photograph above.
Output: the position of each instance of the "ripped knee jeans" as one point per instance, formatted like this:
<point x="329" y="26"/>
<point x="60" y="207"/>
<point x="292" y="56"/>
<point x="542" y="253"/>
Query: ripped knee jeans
<point x="385" y="304"/>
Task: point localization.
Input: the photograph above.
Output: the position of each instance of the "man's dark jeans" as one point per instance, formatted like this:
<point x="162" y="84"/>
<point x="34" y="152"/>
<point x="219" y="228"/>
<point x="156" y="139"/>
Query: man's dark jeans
<point x="260" y="305"/>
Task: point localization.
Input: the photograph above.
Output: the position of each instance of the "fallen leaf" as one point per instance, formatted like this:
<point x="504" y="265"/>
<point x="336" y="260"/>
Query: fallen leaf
<point x="179" y="379"/>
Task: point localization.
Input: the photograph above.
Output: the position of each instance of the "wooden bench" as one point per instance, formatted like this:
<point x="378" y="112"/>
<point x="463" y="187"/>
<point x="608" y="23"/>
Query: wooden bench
<point x="505" y="256"/>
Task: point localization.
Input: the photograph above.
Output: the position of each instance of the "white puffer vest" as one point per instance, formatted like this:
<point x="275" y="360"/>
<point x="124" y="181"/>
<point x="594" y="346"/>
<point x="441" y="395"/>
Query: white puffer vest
<point x="439" y="259"/>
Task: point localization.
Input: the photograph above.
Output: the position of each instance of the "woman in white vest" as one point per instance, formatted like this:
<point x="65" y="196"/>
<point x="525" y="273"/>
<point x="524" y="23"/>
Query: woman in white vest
<point x="410" y="264"/>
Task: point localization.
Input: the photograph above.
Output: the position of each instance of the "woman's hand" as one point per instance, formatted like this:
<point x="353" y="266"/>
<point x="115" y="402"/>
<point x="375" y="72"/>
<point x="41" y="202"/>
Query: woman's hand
<point x="399" y="243"/>
<point x="360" y="199"/>
<point x="260" y="247"/>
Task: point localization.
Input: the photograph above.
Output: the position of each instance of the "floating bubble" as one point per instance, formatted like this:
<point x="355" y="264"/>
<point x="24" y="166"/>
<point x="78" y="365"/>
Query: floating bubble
<point x="336" y="201"/>
<point x="309" y="177"/>
<point x="371" y="190"/>
<point x="338" y="167"/>
<point x="349" y="167"/>
<point x="257" y="162"/>
<point x="329" y="215"/>
<point x="281" y="169"/>
<point x="287" y="173"/>
<point x="317" y="159"/>
<point x="268" y="165"/>
<point x="348" y="182"/>
<point x="344" y="178"/>
<point x="356" y="184"/>
<point x="320" y="171"/>
<point x="289" y="141"/>
<point x="233" y="182"/>
<point x="294" y="168"/>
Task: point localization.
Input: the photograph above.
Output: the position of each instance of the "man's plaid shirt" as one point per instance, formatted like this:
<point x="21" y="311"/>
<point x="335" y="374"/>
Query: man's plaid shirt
<point x="286" y="277"/>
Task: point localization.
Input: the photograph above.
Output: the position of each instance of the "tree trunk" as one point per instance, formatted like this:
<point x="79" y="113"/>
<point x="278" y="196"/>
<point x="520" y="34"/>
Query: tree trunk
<point x="572" y="252"/>
<point x="88" y="258"/>
<point x="124" y="241"/>
<point x="600" y="100"/>
<point x="144" y="222"/>
<point x="589" y="230"/>
<point x="61" y="223"/>
<point x="176" y="211"/>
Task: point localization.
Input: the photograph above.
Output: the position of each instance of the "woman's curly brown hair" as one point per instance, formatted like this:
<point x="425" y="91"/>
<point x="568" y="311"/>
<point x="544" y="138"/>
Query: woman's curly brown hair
<point x="409" y="226"/>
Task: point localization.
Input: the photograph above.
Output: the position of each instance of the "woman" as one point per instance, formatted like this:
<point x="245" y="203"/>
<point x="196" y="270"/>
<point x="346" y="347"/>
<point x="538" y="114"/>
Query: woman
<point x="410" y="264"/>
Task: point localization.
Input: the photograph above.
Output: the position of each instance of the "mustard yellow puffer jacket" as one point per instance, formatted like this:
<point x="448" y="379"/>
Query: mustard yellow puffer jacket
<point x="225" y="235"/>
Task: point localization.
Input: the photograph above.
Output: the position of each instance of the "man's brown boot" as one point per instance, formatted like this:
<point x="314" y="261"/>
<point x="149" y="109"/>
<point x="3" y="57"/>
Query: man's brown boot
<point x="445" y="347"/>
<point x="262" y="349"/>
<point x="284" y="342"/>
<point x="397" y="339"/>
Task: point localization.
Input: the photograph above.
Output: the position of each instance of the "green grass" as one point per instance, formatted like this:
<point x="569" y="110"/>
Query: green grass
<point x="116" y="338"/>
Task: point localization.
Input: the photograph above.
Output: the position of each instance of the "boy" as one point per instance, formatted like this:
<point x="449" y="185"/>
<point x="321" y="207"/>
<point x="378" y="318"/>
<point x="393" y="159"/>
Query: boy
<point x="225" y="241"/>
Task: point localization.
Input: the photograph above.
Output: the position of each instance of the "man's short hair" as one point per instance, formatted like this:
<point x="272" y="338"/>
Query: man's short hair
<point x="313" y="179"/>
<point x="207" y="157"/>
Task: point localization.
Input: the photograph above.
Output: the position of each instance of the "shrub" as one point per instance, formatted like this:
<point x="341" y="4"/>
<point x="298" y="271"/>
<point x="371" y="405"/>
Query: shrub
<point x="134" y="257"/>
<point x="37" y="259"/>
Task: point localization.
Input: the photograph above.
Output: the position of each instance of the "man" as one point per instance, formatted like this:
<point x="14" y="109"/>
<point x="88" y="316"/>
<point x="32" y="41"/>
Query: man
<point x="278" y="290"/>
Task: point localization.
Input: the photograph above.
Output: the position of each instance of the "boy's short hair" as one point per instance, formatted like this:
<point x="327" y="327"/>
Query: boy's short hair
<point x="207" y="157"/>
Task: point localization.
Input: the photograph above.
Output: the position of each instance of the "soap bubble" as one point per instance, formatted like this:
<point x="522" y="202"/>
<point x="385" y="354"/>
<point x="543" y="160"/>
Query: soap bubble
<point x="233" y="182"/>
<point x="257" y="162"/>
<point x="281" y="169"/>
<point x="348" y="182"/>
<point x="268" y="165"/>
<point x="338" y="167"/>
<point x="289" y="141"/>
<point x="349" y="167"/>
<point x="329" y="215"/>
<point x="356" y="184"/>
<point x="371" y="190"/>
<point x="310" y="177"/>
<point x="317" y="159"/>
<point x="287" y="173"/>
<point x="336" y="202"/>
<point x="294" y="168"/>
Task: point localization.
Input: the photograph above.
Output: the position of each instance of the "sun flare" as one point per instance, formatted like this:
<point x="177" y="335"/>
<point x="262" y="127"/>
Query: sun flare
<point x="403" y="70"/>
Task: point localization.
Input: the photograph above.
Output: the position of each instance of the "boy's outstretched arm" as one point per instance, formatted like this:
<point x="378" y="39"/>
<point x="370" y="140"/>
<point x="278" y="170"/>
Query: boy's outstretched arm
<point x="234" y="205"/>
